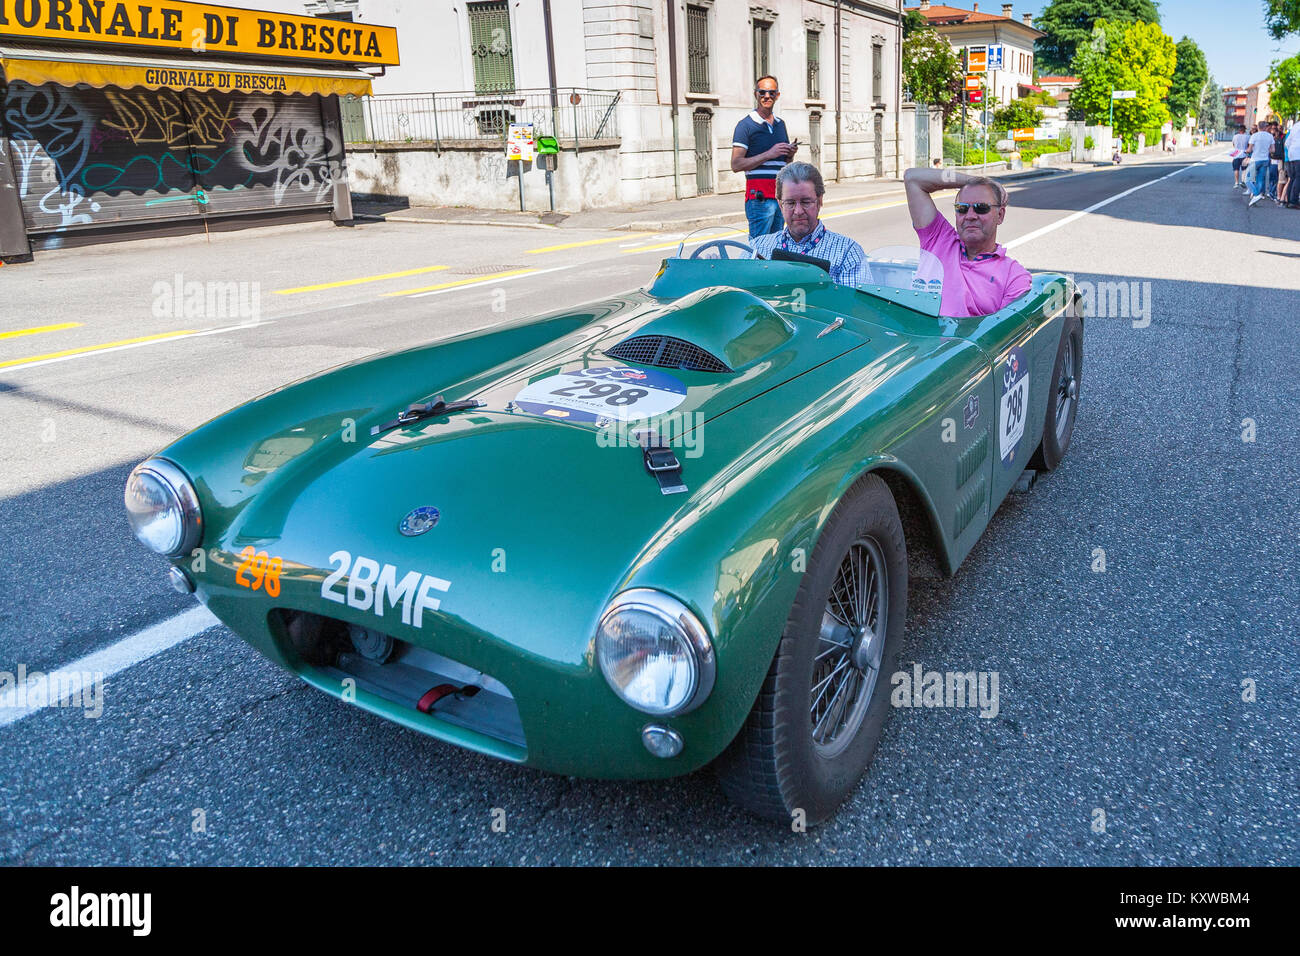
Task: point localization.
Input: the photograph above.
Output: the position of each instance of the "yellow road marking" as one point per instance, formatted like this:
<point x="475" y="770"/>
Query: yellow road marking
<point x="95" y="348"/>
<point x="363" y="279"/>
<point x="471" y="281"/>
<point x="691" y="242"/>
<point x="40" y="328"/>
<point x="592" y="242"/>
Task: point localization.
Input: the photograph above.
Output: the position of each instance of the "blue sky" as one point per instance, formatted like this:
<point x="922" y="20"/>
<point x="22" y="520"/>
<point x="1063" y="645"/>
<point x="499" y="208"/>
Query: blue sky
<point x="1231" y="32"/>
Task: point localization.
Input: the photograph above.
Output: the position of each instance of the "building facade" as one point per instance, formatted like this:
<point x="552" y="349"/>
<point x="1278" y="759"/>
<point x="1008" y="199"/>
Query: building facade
<point x="980" y="28"/>
<point x="1257" y="106"/>
<point x="134" y="118"/>
<point x="1234" y="107"/>
<point x="648" y="95"/>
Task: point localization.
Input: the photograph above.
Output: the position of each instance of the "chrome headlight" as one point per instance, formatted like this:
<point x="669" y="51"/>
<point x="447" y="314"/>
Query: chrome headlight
<point x="163" y="508"/>
<point x="655" y="653"/>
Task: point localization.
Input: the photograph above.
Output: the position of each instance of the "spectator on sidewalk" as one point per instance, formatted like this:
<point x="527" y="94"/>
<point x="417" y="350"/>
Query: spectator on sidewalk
<point x="760" y="147"/>
<point x="1239" y="143"/>
<point x="979" y="278"/>
<point x="1276" y="154"/>
<point x="1260" y="144"/>
<point x="1293" y="167"/>
<point x="1283" y="175"/>
<point x="800" y="188"/>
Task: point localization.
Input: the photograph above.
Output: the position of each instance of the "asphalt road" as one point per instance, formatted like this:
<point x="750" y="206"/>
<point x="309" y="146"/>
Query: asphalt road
<point x="1121" y="690"/>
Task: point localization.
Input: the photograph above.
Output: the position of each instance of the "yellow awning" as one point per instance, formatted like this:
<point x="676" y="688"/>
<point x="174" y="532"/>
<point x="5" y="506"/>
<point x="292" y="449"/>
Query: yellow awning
<point x="68" y="67"/>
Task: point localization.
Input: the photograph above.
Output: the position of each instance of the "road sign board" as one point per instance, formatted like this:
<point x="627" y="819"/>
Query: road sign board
<point x="975" y="96"/>
<point x="1124" y="95"/>
<point x="973" y="82"/>
<point x="977" y="59"/>
<point x="995" y="57"/>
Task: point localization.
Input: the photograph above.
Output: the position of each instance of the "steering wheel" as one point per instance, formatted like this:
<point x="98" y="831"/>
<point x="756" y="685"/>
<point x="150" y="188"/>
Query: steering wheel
<point x="721" y="245"/>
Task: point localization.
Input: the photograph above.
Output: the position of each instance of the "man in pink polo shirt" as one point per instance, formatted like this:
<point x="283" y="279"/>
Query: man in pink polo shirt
<point x="979" y="278"/>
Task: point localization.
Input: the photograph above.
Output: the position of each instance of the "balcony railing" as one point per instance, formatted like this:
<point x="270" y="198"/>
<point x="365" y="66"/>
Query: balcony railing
<point x="576" y="116"/>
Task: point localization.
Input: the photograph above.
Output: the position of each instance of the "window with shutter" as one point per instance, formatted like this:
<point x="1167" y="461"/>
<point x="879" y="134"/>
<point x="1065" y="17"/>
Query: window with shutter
<point x="877" y="71"/>
<point x="697" y="48"/>
<point x="762" y="30"/>
<point x="490" y="47"/>
<point x="814" y="65"/>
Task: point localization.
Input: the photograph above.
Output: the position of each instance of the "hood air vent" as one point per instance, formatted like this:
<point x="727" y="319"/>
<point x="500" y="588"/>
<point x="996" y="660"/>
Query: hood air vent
<point x="664" y="351"/>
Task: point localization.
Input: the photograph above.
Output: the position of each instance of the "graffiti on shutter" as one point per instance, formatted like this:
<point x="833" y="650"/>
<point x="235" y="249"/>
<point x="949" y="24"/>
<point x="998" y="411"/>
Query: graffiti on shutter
<point x="87" y="157"/>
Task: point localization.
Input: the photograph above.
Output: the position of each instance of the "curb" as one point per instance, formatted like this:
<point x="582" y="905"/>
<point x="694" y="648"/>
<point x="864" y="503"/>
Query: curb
<point x="1031" y="174"/>
<point x="465" y="222"/>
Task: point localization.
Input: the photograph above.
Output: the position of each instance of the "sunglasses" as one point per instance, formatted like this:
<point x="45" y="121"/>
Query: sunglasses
<point x="980" y="207"/>
<point x="767" y="94"/>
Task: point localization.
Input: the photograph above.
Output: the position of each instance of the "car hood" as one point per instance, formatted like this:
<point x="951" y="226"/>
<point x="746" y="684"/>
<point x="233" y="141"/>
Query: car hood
<point x="535" y="510"/>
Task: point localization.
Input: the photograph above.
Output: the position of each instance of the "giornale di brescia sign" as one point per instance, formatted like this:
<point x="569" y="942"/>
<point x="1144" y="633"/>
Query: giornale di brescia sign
<point x="198" y="28"/>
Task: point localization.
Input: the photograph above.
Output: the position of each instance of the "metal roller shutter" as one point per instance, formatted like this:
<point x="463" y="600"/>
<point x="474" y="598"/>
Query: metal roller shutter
<point x="99" y="157"/>
<point x="86" y="157"/>
<point x="274" y="154"/>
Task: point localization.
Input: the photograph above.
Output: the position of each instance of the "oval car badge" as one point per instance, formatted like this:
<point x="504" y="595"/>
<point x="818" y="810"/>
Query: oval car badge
<point x="419" y="521"/>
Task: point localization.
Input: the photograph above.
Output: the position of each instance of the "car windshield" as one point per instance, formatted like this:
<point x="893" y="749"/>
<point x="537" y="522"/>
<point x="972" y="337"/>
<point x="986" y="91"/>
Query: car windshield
<point x="887" y="271"/>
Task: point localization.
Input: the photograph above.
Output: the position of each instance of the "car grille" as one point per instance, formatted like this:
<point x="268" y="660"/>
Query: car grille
<point x="664" y="351"/>
<point x="405" y="675"/>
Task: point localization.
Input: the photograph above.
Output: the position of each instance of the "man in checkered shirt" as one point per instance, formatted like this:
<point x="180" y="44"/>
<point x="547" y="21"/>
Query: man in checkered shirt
<point x="799" y="190"/>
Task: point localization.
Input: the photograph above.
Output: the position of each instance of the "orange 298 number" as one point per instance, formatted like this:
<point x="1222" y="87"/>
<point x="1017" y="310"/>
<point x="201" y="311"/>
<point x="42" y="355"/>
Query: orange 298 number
<point x="262" y="568"/>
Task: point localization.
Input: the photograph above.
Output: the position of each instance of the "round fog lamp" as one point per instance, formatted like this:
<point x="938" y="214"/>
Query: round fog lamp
<point x="661" y="741"/>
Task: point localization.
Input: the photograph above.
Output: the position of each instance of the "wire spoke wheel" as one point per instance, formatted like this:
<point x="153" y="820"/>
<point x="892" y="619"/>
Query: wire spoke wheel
<point x="821" y="710"/>
<point x="1067" y="390"/>
<point x="852" y="639"/>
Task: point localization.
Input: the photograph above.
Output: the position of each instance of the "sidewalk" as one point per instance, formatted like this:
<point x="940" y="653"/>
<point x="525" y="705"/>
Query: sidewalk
<point x="681" y="215"/>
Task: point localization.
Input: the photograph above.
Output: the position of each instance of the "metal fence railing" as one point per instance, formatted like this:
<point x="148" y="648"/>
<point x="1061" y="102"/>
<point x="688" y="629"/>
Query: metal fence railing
<point x="575" y="117"/>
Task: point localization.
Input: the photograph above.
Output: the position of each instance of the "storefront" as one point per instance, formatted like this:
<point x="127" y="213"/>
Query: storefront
<point x="137" y="119"/>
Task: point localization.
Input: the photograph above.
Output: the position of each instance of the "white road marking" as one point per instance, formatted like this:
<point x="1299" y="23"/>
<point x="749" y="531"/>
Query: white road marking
<point x="106" y="662"/>
<point x="133" y="345"/>
<point x="1031" y="236"/>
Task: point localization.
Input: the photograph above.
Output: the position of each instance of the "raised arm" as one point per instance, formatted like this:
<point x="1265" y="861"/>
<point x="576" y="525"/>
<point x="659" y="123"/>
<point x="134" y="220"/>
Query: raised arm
<point x="920" y="183"/>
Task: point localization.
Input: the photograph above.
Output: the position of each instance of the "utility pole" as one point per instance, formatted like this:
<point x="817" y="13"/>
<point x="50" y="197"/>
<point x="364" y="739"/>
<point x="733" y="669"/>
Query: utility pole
<point x="550" y="72"/>
<point x="672" y="87"/>
<point x="839" y="70"/>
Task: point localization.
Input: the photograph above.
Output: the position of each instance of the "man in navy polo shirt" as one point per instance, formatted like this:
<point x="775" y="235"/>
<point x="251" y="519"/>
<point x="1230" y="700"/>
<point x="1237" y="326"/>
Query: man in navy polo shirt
<point x="760" y="147"/>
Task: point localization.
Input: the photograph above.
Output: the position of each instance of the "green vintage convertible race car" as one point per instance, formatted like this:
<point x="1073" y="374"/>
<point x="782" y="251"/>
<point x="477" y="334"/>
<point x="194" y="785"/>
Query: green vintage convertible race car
<point x="664" y="530"/>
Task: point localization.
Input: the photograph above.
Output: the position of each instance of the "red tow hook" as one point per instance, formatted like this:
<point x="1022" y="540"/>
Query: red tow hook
<point x="426" y="703"/>
<point x="431" y="697"/>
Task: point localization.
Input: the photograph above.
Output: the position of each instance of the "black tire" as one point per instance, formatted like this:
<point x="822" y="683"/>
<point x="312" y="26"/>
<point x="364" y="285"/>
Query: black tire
<point x="774" y="767"/>
<point x="1062" y="398"/>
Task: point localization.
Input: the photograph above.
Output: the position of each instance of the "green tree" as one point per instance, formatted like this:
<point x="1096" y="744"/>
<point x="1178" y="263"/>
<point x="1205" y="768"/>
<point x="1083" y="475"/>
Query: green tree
<point x="1284" y="83"/>
<point x="913" y="21"/>
<point x="1017" y="115"/>
<point x="1125" y="56"/>
<point x="1282" y="17"/>
<point x="1211" y="113"/>
<point x="1190" y="76"/>
<point x="1069" y="23"/>
<point x="932" y="70"/>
